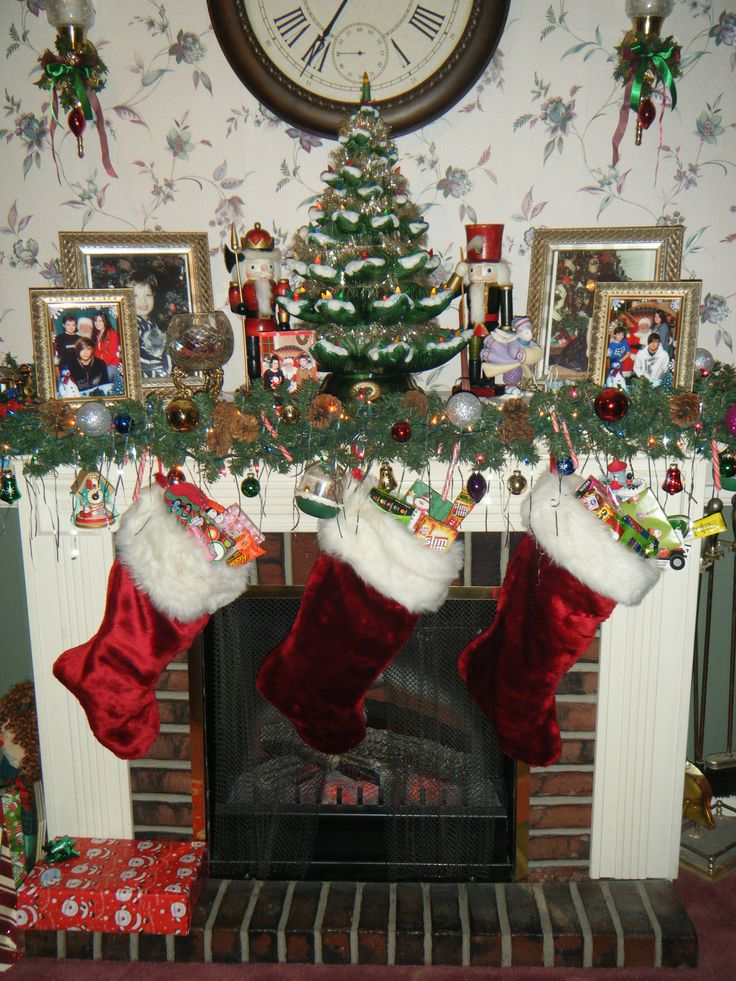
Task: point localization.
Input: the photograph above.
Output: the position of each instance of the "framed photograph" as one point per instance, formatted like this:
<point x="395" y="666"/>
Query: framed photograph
<point x="85" y="345"/>
<point x="169" y="273"/>
<point x="286" y="359"/>
<point x="566" y="266"/>
<point x="645" y="330"/>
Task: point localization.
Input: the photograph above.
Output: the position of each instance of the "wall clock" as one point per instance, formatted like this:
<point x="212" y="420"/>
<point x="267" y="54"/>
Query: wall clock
<point x="305" y="61"/>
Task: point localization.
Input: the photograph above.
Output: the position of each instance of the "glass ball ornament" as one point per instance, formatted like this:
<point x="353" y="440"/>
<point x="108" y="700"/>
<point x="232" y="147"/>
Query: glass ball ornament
<point x="290" y="414"/>
<point x="401" y="431"/>
<point x="727" y="465"/>
<point x="199" y="341"/>
<point x="175" y="475"/>
<point x="730" y="419"/>
<point x="123" y="423"/>
<point x="318" y="492"/>
<point x="516" y="483"/>
<point x="704" y="362"/>
<point x="463" y="409"/>
<point x="476" y="486"/>
<point x="611" y="404"/>
<point x="251" y="486"/>
<point x="182" y="415"/>
<point x="565" y="466"/>
<point x="94" y="419"/>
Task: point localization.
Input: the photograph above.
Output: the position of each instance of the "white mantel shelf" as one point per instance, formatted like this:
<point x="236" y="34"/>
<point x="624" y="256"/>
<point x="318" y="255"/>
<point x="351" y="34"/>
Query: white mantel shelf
<point x="644" y="685"/>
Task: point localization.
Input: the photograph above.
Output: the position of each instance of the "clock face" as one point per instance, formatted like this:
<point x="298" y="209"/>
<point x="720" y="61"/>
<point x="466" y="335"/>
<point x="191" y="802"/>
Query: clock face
<point x="306" y="60"/>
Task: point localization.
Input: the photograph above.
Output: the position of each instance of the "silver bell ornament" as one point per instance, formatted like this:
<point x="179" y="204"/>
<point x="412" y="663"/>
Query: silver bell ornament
<point x="319" y="491"/>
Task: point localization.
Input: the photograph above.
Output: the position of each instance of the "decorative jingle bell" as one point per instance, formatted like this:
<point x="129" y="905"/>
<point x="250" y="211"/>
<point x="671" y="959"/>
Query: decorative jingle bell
<point x="9" y="487"/>
<point x="386" y="480"/>
<point x="673" y="481"/>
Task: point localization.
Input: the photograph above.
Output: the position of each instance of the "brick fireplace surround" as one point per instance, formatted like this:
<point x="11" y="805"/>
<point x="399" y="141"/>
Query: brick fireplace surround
<point x="600" y="856"/>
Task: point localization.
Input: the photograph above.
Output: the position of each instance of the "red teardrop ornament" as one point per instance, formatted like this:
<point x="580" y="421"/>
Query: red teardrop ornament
<point x="76" y="120"/>
<point x="646" y="113"/>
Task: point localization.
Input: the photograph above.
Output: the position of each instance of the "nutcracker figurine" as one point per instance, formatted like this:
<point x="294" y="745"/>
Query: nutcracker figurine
<point x="254" y="265"/>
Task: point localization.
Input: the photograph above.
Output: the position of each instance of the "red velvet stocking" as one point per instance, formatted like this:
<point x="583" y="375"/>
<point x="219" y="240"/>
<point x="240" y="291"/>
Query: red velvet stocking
<point x="344" y="635"/>
<point x="359" y="608"/>
<point x="113" y="675"/>
<point x="564" y="578"/>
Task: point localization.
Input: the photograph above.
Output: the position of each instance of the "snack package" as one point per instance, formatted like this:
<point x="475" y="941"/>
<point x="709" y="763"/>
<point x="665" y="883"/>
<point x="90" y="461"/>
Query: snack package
<point x="224" y="533"/>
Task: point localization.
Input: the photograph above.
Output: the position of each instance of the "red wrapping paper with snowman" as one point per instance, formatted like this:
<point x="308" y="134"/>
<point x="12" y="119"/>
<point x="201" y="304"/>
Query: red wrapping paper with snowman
<point x="116" y="886"/>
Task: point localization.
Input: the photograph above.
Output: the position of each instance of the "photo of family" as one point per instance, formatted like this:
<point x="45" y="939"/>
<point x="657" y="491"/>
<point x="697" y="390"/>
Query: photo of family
<point x="286" y="360"/>
<point x="85" y="344"/>
<point x="169" y="273"/>
<point x="645" y="331"/>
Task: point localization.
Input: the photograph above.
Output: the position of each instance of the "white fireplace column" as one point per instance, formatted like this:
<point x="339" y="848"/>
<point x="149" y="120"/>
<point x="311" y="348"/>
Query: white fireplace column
<point x="644" y="684"/>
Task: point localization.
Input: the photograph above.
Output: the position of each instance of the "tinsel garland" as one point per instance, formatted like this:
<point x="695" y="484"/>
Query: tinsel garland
<point x="360" y="430"/>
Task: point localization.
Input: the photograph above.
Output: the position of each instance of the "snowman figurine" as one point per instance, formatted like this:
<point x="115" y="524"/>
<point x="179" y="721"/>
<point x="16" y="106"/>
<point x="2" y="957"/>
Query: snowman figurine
<point x="509" y="355"/>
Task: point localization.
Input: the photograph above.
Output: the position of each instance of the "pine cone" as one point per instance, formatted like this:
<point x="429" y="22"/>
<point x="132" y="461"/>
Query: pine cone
<point x="684" y="408"/>
<point x="323" y="409"/>
<point x="515" y="426"/>
<point x="57" y="417"/>
<point x="229" y="424"/>
<point x="417" y="401"/>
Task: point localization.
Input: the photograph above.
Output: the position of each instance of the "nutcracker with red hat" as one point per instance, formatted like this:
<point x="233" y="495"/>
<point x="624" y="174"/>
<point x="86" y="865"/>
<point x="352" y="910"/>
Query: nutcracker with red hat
<point x="487" y="282"/>
<point x="254" y="265"/>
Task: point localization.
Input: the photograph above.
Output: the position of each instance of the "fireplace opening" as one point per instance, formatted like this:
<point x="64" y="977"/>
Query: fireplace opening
<point x="428" y="795"/>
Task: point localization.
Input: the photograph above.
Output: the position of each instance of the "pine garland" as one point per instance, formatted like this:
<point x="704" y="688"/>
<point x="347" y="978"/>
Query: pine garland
<point x="34" y="433"/>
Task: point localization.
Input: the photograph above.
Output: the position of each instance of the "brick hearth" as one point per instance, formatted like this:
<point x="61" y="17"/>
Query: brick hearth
<point x="551" y="924"/>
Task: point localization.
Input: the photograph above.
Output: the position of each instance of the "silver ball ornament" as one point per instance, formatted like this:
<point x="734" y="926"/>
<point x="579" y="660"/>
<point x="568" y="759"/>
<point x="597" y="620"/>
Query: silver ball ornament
<point x="463" y="409"/>
<point x="94" y="419"/>
<point x="704" y="361"/>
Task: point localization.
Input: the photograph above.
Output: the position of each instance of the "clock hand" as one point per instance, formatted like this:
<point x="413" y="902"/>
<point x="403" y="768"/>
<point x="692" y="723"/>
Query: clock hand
<point x="320" y="41"/>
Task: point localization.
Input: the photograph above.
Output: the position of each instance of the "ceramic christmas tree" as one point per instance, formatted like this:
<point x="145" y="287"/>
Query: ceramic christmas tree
<point x="366" y="271"/>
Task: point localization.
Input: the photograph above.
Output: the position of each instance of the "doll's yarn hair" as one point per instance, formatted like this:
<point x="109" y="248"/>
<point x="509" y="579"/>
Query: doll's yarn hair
<point x="18" y="716"/>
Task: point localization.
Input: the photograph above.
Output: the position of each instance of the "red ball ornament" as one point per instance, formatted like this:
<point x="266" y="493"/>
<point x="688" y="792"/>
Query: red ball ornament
<point x="646" y="113"/>
<point x="611" y="405"/>
<point x="401" y="431"/>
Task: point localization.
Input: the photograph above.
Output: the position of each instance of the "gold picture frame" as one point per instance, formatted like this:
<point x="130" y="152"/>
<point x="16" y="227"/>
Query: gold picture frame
<point x="566" y="265"/>
<point x="169" y="271"/>
<point x="657" y="332"/>
<point x="66" y="368"/>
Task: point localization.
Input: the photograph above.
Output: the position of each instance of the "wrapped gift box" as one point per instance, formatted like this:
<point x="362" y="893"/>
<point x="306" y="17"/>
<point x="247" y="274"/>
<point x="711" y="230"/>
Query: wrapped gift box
<point x="11" y="817"/>
<point x="116" y="886"/>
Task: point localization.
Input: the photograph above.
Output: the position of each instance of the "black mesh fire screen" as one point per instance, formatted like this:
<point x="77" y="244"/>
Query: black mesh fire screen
<point x="428" y="795"/>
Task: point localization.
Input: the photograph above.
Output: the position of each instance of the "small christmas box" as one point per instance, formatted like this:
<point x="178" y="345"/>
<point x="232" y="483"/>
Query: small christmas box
<point x="116" y="886"/>
<point x="11" y="817"/>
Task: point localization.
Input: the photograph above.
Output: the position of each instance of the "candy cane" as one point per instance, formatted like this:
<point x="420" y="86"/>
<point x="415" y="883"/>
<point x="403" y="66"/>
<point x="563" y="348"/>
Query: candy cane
<point x="450" y="471"/>
<point x="716" y="466"/>
<point x="266" y="422"/>
<point x="565" y="432"/>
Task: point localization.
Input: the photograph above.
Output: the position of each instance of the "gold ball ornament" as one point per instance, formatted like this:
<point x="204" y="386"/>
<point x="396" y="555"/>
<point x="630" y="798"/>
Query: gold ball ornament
<point x="516" y="483"/>
<point x="290" y="414"/>
<point x="182" y="415"/>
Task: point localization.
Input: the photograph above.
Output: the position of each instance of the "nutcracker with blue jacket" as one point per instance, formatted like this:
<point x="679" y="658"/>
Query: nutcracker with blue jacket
<point x="254" y="265"/>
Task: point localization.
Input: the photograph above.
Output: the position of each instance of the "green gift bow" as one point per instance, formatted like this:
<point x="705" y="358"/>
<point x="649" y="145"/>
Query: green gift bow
<point x="60" y="849"/>
<point x="658" y="62"/>
<point x="57" y="71"/>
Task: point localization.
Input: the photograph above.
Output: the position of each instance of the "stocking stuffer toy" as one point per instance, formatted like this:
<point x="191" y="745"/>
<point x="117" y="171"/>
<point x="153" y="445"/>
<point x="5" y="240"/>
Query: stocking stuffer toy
<point x="161" y="591"/>
<point x="362" y="600"/>
<point x="565" y="577"/>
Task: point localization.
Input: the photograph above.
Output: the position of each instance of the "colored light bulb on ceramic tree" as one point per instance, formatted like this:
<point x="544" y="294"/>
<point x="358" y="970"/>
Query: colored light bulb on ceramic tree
<point x="476" y="486"/>
<point x="78" y="124"/>
<point x="673" y="481"/>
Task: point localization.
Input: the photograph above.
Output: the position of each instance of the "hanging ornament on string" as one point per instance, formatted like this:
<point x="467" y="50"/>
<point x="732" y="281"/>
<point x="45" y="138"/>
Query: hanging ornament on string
<point x="704" y="362"/>
<point x="386" y="480"/>
<point x="565" y="466"/>
<point x="477" y="486"/>
<point x="727" y="464"/>
<point x="251" y="486"/>
<point x="673" y="480"/>
<point x="181" y="414"/>
<point x="175" y="475"/>
<point x="730" y="419"/>
<point x="123" y="423"/>
<point x="516" y="483"/>
<point x="9" y="487"/>
<point x="463" y="409"/>
<point x="94" y="419"/>
<point x="319" y="491"/>
<point x="401" y="431"/>
<point x="290" y="414"/>
<point x="78" y="124"/>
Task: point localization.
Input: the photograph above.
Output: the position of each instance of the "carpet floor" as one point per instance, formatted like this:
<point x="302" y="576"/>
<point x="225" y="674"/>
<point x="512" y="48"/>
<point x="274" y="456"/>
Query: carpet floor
<point x="711" y="907"/>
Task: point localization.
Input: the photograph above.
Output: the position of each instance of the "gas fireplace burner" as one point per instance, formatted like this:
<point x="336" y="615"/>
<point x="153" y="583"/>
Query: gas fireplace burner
<point x="428" y="795"/>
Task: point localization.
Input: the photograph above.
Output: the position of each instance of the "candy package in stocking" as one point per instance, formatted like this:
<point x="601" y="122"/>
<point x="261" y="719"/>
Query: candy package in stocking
<point x="565" y="577"/>
<point x="364" y="595"/>
<point x="161" y="591"/>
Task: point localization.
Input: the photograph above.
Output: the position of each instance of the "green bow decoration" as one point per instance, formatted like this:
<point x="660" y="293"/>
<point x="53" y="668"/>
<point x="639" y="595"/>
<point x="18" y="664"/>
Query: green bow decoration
<point x="658" y="61"/>
<point x="60" y="849"/>
<point x="60" y="72"/>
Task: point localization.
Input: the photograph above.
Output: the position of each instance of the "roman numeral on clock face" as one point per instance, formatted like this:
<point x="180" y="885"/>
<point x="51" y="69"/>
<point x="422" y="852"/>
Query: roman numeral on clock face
<point x="314" y="56"/>
<point x="404" y="58"/>
<point x="427" y="21"/>
<point x="291" y="25"/>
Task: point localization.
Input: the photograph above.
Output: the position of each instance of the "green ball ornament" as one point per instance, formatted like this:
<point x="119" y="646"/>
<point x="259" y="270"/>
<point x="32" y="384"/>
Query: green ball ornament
<point x="251" y="486"/>
<point x="182" y="415"/>
<point x="727" y="465"/>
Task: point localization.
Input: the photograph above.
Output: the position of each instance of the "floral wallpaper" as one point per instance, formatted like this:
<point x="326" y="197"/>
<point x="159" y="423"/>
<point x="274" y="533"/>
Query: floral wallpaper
<point x="529" y="145"/>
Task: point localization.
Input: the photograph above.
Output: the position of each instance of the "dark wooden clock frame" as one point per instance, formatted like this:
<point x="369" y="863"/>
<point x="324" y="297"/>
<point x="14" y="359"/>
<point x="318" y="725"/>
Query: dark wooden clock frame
<point x="414" y="108"/>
